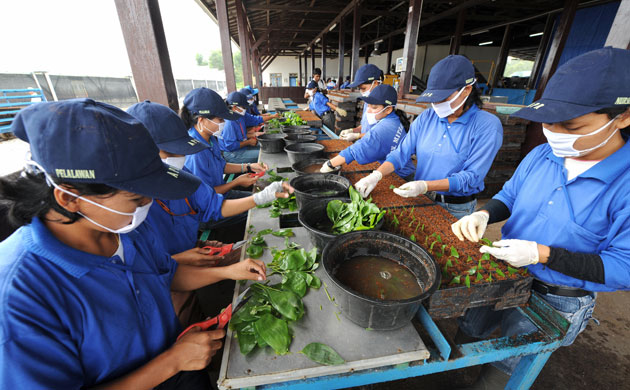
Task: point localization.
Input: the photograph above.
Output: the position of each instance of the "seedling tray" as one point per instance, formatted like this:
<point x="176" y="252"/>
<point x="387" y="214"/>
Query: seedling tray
<point x="383" y="196"/>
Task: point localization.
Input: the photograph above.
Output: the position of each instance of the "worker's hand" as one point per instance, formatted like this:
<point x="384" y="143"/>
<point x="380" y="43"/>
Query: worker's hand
<point x="346" y="131"/>
<point x="367" y="184"/>
<point x="248" y="269"/>
<point x="269" y="193"/>
<point x="259" y="133"/>
<point x="518" y="253"/>
<point x="195" y="349"/>
<point x="259" y="167"/>
<point x="287" y="190"/>
<point x="251" y="141"/>
<point x="350" y="136"/>
<point x="325" y="168"/>
<point x="341" y="111"/>
<point x="472" y="226"/>
<point x="245" y="181"/>
<point x="412" y="189"/>
<point x="198" y="257"/>
<point x="212" y="243"/>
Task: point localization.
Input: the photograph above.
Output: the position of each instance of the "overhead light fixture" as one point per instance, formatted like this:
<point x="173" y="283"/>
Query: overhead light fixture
<point x="317" y="40"/>
<point x="332" y="27"/>
<point x="486" y="43"/>
<point x="479" y="32"/>
<point x="536" y="34"/>
<point x="376" y="51"/>
<point x="379" y="41"/>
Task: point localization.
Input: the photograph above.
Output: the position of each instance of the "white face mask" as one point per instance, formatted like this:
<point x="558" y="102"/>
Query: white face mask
<point x="240" y="111"/>
<point x="250" y="101"/>
<point x="367" y="93"/>
<point x="371" y="116"/>
<point x="562" y="144"/>
<point x="444" y="109"/>
<point x="177" y="162"/>
<point x="215" y="133"/>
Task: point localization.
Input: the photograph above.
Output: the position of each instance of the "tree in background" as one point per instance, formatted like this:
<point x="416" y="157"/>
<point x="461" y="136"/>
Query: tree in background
<point x="215" y="61"/>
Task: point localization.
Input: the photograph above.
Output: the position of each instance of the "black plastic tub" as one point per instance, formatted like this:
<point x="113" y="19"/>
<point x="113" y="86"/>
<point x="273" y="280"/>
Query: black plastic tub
<point x="303" y="151"/>
<point x="374" y="313"/>
<point x="271" y="143"/>
<point x="290" y="139"/>
<point x="313" y="215"/>
<point x="299" y="167"/>
<point x="318" y="186"/>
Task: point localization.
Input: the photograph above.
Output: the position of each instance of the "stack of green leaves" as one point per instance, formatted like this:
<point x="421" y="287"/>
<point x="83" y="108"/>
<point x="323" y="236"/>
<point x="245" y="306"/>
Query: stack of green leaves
<point x="359" y="214"/>
<point x="280" y="204"/>
<point x="273" y="176"/>
<point x="258" y="243"/>
<point x="274" y="123"/>
<point x="293" y="119"/>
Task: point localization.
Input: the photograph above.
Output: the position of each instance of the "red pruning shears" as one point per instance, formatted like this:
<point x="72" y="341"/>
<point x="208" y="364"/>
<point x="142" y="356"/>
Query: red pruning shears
<point x="222" y="319"/>
<point x="225" y="249"/>
<point x="257" y="174"/>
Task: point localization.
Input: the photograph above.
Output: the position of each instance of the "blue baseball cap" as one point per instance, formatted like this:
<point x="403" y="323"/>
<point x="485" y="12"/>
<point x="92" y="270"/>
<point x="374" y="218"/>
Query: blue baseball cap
<point x="207" y="103"/>
<point x="81" y="140"/>
<point x="587" y="83"/>
<point x="253" y="91"/>
<point x="166" y="128"/>
<point x="237" y="99"/>
<point x="247" y="92"/>
<point x="366" y="74"/>
<point x="447" y="76"/>
<point x="382" y="94"/>
<point x="311" y="84"/>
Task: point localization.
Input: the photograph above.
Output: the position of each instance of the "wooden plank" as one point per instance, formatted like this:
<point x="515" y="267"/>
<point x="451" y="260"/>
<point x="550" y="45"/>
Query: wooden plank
<point x="456" y="40"/>
<point x="291" y="8"/>
<point x="540" y="53"/>
<point x="389" y="55"/>
<point x="349" y="7"/>
<point x="300" y="64"/>
<point x="502" y="57"/>
<point x="312" y="59"/>
<point x="619" y="35"/>
<point x="143" y="32"/>
<point x="409" y="51"/>
<point x="305" y="69"/>
<point x="243" y="39"/>
<point x="356" y="39"/>
<point x="342" y="42"/>
<point x="226" y="44"/>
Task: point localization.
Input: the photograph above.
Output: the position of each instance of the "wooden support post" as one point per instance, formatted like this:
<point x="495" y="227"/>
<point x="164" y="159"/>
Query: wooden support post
<point x="390" y="48"/>
<point x="502" y="58"/>
<point x="540" y="53"/>
<point x="456" y="40"/>
<point x="312" y="60"/>
<point x="367" y="54"/>
<point x="619" y="35"/>
<point x="143" y="32"/>
<point x="324" y="58"/>
<point x="356" y="35"/>
<point x="259" y="82"/>
<point x="409" y="51"/>
<point x="300" y="65"/>
<point x="305" y="69"/>
<point x="226" y="44"/>
<point x="342" y="42"/>
<point x="243" y="39"/>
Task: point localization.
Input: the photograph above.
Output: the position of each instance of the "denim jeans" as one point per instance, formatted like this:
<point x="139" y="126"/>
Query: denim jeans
<point x="233" y="220"/>
<point x="480" y="322"/>
<point x="459" y="210"/>
<point x="248" y="154"/>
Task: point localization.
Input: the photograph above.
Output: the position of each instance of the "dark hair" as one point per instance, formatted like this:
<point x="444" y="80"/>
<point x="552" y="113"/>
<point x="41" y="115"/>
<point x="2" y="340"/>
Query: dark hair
<point x="403" y="119"/>
<point x="615" y="111"/>
<point x="317" y="71"/>
<point x="189" y="118"/>
<point x="347" y="78"/>
<point x="27" y="195"/>
<point x="473" y="98"/>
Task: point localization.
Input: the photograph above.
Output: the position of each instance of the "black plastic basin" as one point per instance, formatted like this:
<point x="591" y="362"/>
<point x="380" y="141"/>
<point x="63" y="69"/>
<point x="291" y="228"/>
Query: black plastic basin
<point x="313" y="216"/>
<point x="296" y="131"/>
<point x="299" y="167"/>
<point x="271" y="143"/>
<point x="318" y="186"/>
<point x="290" y="139"/>
<point x="373" y="313"/>
<point x="303" y="151"/>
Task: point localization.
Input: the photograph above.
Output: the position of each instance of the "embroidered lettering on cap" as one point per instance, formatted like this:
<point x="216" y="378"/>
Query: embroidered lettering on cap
<point x="427" y="94"/>
<point x="388" y="102"/>
<point x="622" y="100"/>
<point x="173" y="171"/>
<point x="75" y="173"/>
<point x="536" y="106"/>
<point x="204" y="111"/>
<point x="470" y="80"/>
<point x="193" y="142"/>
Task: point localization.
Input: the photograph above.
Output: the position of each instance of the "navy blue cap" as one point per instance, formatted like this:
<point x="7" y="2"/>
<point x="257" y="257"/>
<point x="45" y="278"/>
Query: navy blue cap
<point x="447" y="76"/>
<point x="247" y="92"/>
<point x="81" y="140"/>
<point x="311" y="84"/>
<point x="237" y="99"/>
<point x="166" y="128"/>
<point x="205" y="102"/>
<point x="382" y="94"/>
<point x="366" y="74"/>
<point x="587" y="83"/>
<point x="253" y="91"/>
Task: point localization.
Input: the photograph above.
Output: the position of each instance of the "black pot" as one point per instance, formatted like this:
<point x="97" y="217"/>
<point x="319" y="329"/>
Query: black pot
<point x="300" y="127"/>
<point x="374" y="313"/>
<point x="299" y="166"/>
<point x="303" y="151"/>
<point x="296" y="131"/>
<point x="327" y="186"/>
<point x="271" y="143"/>
<point x="290" y="139"/>
<point x="313" y="214"/>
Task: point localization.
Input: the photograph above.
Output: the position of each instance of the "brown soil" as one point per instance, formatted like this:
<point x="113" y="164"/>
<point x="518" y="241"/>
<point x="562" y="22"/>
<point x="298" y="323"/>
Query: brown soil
<point x="334" y="145"/>
<point x="430" y="227"/>
<point x="356" y="167"/>
<point x="384" y="196"/>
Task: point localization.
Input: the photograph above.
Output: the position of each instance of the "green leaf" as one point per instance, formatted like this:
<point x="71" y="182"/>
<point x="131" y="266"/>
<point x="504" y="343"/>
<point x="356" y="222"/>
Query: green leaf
<point x="246" y="340"/>
<point x="391" y="187"/>
<point x="296" y="282"/>
<point x="454" y="252"/>
<point x="264" y="232"/>
<point x="254" y="251"/>
<point x="258" y="240"/>
<point x="283" y="233"/>
<point x="315" y="283"/>
<point x="469" y="259"/>
<point x="285" y="302"/>
<point x="449" y="263"/>
<point x="274" y="332"/>
<point x="511" y="270"/>
<point x="499" y="272"/>
<point x="456" y="280"/>
<point x="322" y="354"/>
<point x="471" y="271"/>
<point x="479" y="277"/>
<point x="467" y="281"/>
<point x="485" y="256"/>
<point x="413" y="237"/>
<point x="486" y="242"/>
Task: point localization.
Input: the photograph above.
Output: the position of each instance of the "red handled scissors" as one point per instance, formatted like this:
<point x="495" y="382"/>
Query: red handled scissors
<point x="225" y="249"/>
<point x="222" y="319"/>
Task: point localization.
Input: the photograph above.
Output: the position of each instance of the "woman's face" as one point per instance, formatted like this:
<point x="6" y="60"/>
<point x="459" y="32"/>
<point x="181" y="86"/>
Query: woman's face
<point x="464" y="95"/>
<point x="587" y="124"/>
<point x="382" y="113"/>
<point x="368" y="86"/>
<point x="210" y="125"/>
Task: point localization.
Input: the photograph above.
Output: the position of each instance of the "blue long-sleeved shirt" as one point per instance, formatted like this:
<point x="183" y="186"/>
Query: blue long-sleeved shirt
<point x="319" y="104"/>
<point x="236" y="131"/>
<point x="71" y="320"/>
<point x="461" y="152"/>
<point x="588" y="214"/>
<point x="209" y="164"/>
<point x="365" y="126"/>
<point x="253" y="109"/>
<point x="383" y="137"/>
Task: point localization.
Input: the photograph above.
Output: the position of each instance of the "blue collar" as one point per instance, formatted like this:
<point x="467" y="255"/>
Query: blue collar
<point x="195" y="134"/>
<point x="75" y="262"/>
<point x="465" y="116"/>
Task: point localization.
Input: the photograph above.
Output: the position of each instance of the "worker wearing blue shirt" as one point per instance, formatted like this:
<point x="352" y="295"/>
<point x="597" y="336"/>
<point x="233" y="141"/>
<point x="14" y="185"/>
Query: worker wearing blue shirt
<point x="238" y="141"/>
<point x="85" y="287"/>
<point x="177" y="221"/>
<point x="346" y="84"/>
<point x="386" y="134"/>
<point x="368" y="77"/>
<point x="321" y="106"/>
<point x="455" y="142"/>
<point x="567" y="205"/>
<point x="252" y="107"/>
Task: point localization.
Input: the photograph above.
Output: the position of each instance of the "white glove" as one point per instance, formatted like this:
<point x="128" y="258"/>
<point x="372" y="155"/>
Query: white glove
<point x="367" y="184"/>
<point x="350" y="137"/>
<point x="412" y="189"/>
<point x="518" y="253"/>
<point x="325" y="168"/>
<point x="268" y="194"/>
<point x="346" y="131"/>
<point x="341" y="111"/>
<point x="472" y="226"/>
